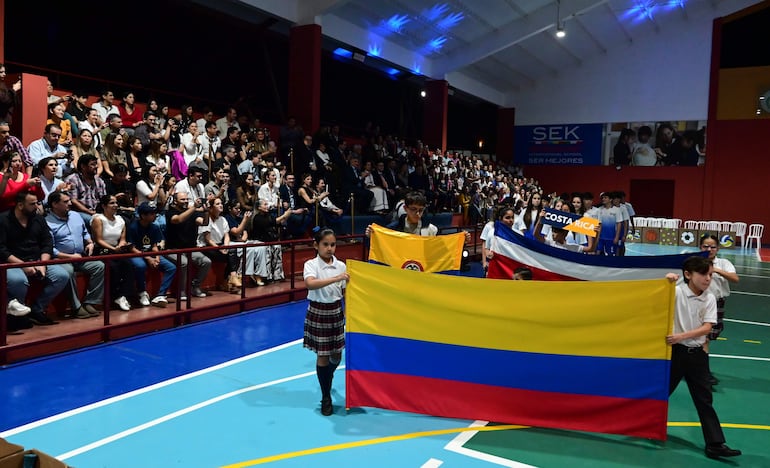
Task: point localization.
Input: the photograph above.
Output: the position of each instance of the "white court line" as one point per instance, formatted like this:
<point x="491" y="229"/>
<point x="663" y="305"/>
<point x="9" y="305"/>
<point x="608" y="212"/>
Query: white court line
<point x="761" y="324"/>
<point x="745" y="358"/>
<point x="752" y="267"/>
<point x="432" y="463"/>
<point x="745" y="293"/>
<point x="753" y="276"/>
<point x="176" y="414"/>
<point x="165" y="383"/>
<point x="456" y="445"/>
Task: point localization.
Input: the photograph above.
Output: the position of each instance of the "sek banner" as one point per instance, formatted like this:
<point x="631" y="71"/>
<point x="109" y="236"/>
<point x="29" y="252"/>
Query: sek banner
<point x="568" y="144"/>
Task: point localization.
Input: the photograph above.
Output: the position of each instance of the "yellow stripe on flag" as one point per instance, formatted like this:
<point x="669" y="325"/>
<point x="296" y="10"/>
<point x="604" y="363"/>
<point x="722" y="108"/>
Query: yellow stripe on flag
<point x="625" y="319"/>
<point x="412" y="252"/>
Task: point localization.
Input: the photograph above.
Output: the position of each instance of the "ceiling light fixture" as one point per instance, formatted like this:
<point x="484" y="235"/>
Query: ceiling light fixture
<point x="559" y="24"/>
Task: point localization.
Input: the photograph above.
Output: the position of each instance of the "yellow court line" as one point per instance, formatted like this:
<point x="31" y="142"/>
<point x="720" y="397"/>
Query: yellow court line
<point x="363" y="443"/>
<point x="415" y="435"/>
<point x="752" y="341"/>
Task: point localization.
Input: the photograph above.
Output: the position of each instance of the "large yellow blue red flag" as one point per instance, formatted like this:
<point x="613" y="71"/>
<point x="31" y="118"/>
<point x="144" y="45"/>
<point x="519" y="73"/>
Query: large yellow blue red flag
<point x="588" y="356"/>
<point x="411" y="252"/>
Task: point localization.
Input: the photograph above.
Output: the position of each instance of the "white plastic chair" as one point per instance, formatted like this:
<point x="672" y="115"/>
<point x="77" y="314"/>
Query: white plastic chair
<point x="640" y="221"/>
<point x="670" y="223"/>
<point x="654" y="222"/>
<point x="725" y="226"/>
<point x="740" y="232"/>
<point x="677" y="222"/>
<point x="755" y="232"/>
<point x="709" y="226"/>
<point x="691" y="224"/>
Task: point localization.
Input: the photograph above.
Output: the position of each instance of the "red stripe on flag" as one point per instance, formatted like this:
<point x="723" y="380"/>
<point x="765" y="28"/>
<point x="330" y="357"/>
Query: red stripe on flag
<point x="640" y="418"/>
<point x="502" y="267"/>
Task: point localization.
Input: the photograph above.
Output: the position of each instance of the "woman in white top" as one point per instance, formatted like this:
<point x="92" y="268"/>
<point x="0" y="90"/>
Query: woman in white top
<point x="150" y="189"/>
<point x="217" y="234"/>
<point x="109" y="234"/>
<point x="158" y="156"/>
<point x="269" y="191"/>
<point x="48" y="181"/>
<point x="191" y="145"/>
<point x="380" y="200"/>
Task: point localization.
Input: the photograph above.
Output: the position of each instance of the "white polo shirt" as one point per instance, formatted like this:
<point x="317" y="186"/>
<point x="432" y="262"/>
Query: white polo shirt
<point x="693" y="311"/>
<point x="319" y="269"/>
<point x="719" y="286"/>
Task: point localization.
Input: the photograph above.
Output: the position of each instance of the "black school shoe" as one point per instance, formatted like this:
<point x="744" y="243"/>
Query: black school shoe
<point x="721" y="450"/>
<point x="39" y="318"/>
<point x="18" y="323"/>
<point x="326" y="407"/>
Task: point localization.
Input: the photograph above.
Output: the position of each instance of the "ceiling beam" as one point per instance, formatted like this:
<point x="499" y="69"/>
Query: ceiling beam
<point x="629" y="38"/>
<point x="512" y="34"/>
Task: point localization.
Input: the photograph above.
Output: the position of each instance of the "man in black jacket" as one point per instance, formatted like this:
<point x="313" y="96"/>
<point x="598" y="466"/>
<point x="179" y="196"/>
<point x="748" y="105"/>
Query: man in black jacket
<point x="25" y="237"/>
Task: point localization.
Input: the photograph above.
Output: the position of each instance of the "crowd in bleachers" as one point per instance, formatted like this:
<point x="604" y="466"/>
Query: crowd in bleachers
<point x="107" y="178"/>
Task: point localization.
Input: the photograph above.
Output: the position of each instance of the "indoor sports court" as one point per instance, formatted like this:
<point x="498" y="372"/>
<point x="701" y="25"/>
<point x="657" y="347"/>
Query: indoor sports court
<point x="241" y="391"/>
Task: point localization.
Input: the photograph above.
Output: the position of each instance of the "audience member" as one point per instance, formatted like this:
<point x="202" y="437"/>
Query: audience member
<point x="49" y="145"/>
<point x="71" y="240"/>
<point x="216" y="233"/>
<point x="86" y="188"/>
<point x="104" y="106"/>
<point x="109" y="234"/>
<point x="24" y="237"/>
<point x="183" y="218"/>
<point x="145" y="236"/>
<point x="9" y="143"/>
<point x="15" y="179"/>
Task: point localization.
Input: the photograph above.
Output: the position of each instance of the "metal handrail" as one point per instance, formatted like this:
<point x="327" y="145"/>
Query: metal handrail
<point x="179" y="312"/>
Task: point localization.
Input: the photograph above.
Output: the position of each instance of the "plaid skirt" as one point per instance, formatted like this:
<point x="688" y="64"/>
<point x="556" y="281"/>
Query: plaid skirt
<point x="325" y="328"/>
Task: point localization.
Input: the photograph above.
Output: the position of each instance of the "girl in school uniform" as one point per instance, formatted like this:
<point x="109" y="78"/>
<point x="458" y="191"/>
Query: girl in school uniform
<point x="724" y="274"/>
<point x="325" y="278"/>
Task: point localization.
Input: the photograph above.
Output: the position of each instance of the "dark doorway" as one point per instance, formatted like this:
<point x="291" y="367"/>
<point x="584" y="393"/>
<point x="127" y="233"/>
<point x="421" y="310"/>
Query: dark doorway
<point x="652" y="198"/>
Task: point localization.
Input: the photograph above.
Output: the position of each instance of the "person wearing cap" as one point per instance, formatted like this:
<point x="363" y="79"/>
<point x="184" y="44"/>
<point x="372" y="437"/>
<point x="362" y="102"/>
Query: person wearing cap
<point x="146" y="236"/>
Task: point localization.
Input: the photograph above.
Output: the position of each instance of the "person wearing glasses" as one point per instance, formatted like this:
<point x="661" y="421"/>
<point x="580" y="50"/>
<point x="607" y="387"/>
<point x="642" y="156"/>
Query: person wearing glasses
<point x="723" y="274"/>
<point x="411" y="221"/>
<point x="49" y="146"/>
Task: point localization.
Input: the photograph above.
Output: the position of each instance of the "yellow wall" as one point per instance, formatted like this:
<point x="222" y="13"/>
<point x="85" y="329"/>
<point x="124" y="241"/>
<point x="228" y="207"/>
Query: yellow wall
<point x="739" y="91"/>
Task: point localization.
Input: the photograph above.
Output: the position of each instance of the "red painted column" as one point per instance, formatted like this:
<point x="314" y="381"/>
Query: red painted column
<point x="30" y="116"/>
<point x="506" y="119"/>
<point x="435" y="110"/>
<point x="305" y="76"/>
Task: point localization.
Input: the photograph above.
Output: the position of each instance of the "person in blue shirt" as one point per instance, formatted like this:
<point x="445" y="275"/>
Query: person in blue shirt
<point x="611" y="220"/>
<point x="146" y="236"/>
<point x="72" y="240"/>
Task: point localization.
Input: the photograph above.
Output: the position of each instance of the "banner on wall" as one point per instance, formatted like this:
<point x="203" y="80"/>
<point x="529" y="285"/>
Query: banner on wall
<point x="566" y="144"/>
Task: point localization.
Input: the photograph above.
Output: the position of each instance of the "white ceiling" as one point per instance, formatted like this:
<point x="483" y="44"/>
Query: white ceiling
<point x="493" y="49"/>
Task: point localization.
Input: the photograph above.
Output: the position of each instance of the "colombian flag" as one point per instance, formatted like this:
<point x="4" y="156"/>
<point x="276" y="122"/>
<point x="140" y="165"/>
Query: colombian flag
<point x="588" y="356"/>
<point x="412" y="252"/>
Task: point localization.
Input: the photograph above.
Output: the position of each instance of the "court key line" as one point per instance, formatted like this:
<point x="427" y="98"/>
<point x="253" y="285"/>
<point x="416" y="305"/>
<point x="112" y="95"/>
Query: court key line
<point x="472" y="429"/>
<point x="139" y="391"/>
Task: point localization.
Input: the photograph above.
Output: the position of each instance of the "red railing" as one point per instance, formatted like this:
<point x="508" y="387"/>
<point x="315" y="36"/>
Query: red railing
<point x="180" y="315"/>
